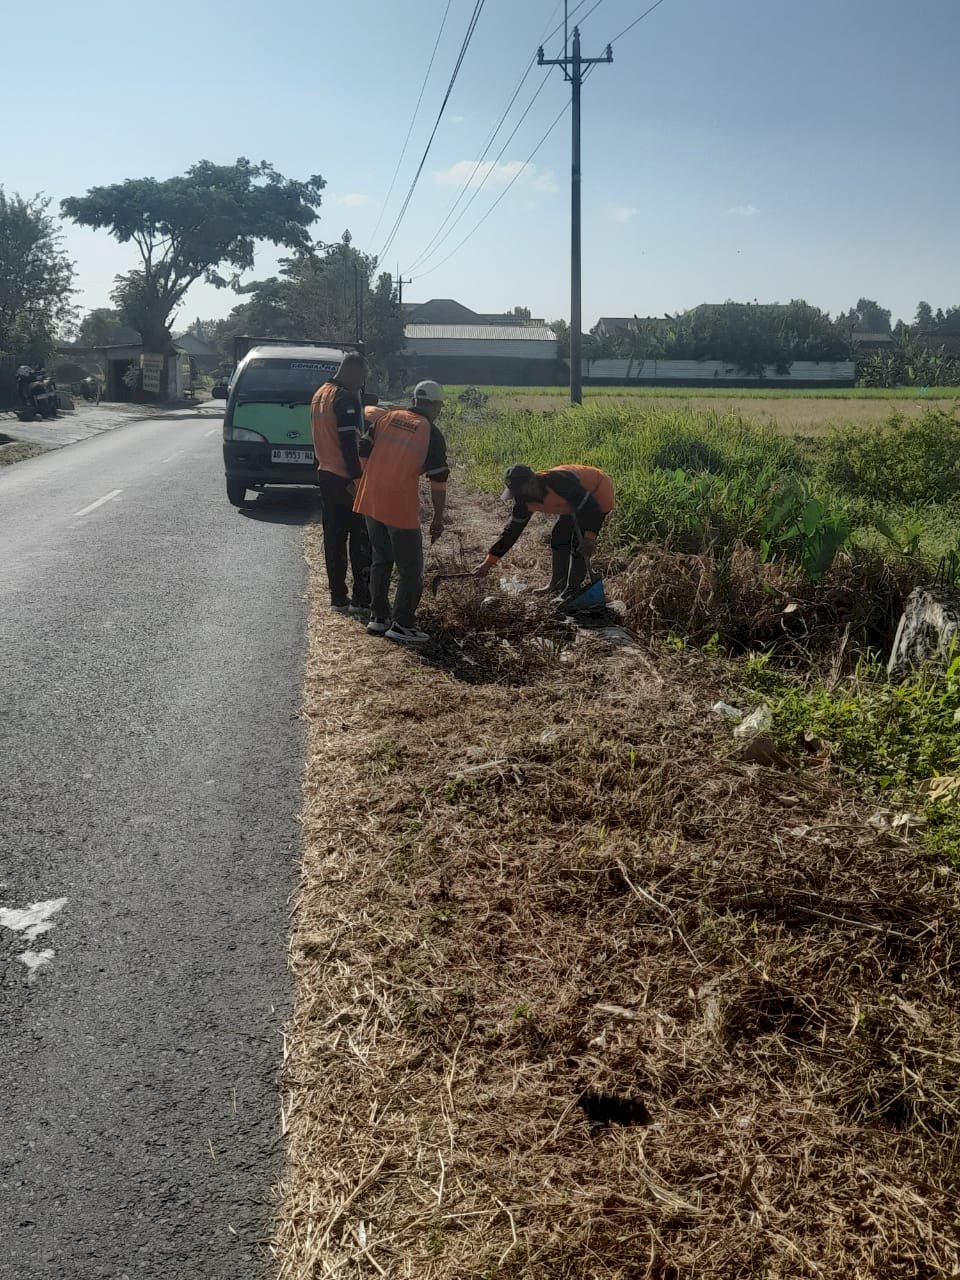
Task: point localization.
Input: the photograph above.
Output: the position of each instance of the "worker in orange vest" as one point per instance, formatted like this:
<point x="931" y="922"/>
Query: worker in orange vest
<point x="337" y="420"/>
<point x="581" y="497"/>
<point x="404" y="444"/>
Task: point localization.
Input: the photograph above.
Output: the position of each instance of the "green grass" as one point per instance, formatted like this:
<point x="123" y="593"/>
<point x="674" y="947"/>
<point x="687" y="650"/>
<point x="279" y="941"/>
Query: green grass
<point x="698" y="478"/>
<point x="889" y="739"/>
<point x="722" y="393"/>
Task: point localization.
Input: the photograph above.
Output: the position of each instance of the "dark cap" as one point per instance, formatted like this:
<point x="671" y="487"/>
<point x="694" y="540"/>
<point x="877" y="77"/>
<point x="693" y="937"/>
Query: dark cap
<point x="517" y="479"/>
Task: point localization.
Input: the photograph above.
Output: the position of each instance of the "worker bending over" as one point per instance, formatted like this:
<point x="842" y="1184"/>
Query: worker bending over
<point x="403" y="444"/>
<point x="581" y="497"/>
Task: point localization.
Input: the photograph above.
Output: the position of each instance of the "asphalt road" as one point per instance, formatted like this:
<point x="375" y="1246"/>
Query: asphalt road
<point x="151" y="649"/>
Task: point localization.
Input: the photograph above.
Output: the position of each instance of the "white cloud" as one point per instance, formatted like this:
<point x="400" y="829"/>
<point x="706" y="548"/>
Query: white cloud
<point x="622" y="213"/>
<point x="354" y="200"/>
<point x="496" y="176"/>
<point x="743" y="211"/>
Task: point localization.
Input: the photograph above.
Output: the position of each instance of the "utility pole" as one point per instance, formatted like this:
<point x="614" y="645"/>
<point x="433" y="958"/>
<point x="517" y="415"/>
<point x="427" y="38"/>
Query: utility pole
<point x="573" y="71"/>
<point x="400" y="283"/>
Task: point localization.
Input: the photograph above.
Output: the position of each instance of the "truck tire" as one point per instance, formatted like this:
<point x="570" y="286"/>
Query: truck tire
<point x="236" y="492"/>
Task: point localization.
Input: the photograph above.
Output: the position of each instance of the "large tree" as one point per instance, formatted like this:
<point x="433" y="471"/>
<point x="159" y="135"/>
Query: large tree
<point x="203" y="225"/>
<point x="36" y="278"/>
<point x="320" y="294"/>
<point x="103" y="327"/>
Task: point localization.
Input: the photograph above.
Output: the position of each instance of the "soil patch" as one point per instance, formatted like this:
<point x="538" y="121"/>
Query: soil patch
<point x="582" y="993"/>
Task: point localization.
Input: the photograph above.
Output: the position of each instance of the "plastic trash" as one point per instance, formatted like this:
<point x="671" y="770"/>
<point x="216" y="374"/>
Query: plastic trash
<point x="724" y="709"/>
<point x="756" y="723"/>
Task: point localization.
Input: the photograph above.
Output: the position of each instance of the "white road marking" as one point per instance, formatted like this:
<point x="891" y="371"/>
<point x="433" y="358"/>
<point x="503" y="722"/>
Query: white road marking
<point x="84" y="511"/>
<point x="35" y="960"/>
<point x="30" y="922"/>
<point x="172" y="456"/>
<point x="216" y="431"/>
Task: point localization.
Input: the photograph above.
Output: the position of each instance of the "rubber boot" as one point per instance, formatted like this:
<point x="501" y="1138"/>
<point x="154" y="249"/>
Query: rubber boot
<point x="560" y="567"/>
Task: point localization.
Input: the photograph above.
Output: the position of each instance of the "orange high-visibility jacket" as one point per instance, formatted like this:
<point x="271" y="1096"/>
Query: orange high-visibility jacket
<point x="389" y="489"/>
<point x="596" y="482"/>
<point x="326" y="434"/>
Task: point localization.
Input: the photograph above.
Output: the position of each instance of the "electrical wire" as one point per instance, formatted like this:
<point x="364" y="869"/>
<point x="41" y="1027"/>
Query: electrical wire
<point x="439" y="236"/>
<point x="468" y="182"/>
<point x="430" y="251"/>
<point x="563" y="110"/>
<point x="643" y="15"/>
<point x="413" y="120"/>
<point x="471" y="27"/>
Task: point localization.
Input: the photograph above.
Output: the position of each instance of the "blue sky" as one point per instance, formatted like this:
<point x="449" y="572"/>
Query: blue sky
<point x="735" y="148"/>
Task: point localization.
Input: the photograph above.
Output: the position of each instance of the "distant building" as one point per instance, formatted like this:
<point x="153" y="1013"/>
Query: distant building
<point x="511" y="355"/>
<point x="449" y="311"/>
<point x="204" y="354"/>
<point x="715" y="373"/>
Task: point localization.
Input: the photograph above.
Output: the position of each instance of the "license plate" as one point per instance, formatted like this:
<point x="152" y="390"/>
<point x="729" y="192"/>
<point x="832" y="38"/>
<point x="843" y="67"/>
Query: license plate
<point x="292" y="455"/>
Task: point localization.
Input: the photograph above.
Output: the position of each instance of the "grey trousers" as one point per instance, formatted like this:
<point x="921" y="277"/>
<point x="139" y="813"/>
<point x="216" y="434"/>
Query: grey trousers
<point x="403" y="548"/>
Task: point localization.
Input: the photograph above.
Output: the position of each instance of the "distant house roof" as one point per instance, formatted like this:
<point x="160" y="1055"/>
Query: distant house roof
<point x="194" y="346"/>
<point x="873" y="339"/>
<point x="610" y="324"/>
<point x="482" y="332"/>
<point x="439" y="311"/>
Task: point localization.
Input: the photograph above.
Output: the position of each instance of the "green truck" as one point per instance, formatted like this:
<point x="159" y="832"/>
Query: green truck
<point x="267" y="438"/>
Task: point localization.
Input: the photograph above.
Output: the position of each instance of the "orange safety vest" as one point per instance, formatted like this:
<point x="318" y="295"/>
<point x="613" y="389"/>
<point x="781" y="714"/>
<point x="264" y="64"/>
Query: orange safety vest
<point x="389" y="489"/>
<point x="596" y="482"/>
<point x="326" y="438"/>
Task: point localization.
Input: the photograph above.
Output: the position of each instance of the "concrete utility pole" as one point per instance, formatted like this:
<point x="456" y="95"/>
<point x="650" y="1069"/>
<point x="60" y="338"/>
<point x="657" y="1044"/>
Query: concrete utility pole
<point x="573" y="71"/>
<point x="400" y="283"/>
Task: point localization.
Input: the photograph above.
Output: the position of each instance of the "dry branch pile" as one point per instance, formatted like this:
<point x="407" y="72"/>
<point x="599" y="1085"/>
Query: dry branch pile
<point x="582" y="995"/>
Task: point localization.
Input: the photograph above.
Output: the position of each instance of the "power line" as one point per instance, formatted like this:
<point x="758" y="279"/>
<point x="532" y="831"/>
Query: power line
<point x="471" y="27"/>
<point x="439" y="237"/>
<point x="465" y="186"/>
<point x="643" y="15"/>
<point x="428" y="252"/>
<point x="563" y="110"/>
<point x="413" y="120"/>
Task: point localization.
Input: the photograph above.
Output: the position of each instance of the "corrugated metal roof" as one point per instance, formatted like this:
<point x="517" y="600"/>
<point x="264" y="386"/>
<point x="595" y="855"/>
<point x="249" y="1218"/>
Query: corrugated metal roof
<point x="482" y="332"/>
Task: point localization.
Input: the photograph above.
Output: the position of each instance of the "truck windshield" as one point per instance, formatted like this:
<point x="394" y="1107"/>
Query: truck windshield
<point x="283" y="381"/>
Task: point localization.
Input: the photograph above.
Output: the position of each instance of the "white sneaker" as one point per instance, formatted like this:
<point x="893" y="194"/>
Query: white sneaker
<point x="378" y="627"/>
<point x="407" y="635"/>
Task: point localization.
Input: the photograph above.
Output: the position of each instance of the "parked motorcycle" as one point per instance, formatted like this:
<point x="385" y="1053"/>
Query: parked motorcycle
<point x="37" y="392"/>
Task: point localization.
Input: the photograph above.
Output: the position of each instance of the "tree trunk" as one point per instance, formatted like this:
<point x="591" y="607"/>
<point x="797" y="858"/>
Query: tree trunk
<point x="929" y="628"/>
<point x="158" y="340"/>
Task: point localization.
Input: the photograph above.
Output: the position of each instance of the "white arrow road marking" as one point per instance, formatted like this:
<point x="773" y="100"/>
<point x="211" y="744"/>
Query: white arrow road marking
<point x="30" y="922"/>
<point x="84" y="511"/>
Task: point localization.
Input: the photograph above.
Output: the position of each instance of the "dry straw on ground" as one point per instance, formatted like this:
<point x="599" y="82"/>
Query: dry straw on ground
<point x="580" y="994"/>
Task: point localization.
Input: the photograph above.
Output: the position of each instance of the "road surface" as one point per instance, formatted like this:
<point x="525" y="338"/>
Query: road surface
<point x="151" y="642"/>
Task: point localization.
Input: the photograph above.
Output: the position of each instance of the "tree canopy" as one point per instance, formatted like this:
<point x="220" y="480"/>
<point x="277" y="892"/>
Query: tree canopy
<point x="318" y="295"/>
<point x="36" y="278"/>
<point x="202" y="225"/>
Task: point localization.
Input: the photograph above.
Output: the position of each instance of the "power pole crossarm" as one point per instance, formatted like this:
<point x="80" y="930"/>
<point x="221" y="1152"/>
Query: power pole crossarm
<point x="573" y="71"/>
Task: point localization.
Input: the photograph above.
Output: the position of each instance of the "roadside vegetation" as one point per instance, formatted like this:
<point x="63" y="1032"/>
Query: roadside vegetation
<point x="585" y="987"/>
<point x="796" y="556"/>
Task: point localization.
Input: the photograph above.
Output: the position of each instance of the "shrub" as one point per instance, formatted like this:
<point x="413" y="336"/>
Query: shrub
<point x="905" y="461"/>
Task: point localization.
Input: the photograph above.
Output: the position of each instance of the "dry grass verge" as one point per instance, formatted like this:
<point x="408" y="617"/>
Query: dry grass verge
<point x="581" y="994"/>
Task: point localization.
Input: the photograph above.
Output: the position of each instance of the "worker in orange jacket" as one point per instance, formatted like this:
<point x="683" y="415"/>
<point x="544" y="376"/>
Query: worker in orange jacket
<point x="403" y="445"/>
<point x="580" y="497"/>
<point x="337" y="421"/>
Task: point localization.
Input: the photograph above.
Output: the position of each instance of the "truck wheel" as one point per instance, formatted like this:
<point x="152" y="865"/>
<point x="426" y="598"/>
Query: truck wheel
<point x="236" y="492"/>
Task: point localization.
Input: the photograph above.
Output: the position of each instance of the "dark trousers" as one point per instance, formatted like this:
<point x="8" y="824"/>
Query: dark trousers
<point x="343" y="530"/>
<point x="569" y="567"/>
<point x="403" y="548"/>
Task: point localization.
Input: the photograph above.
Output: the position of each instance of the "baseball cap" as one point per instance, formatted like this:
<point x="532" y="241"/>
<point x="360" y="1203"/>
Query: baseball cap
<point x="428" y="390"/>
<point x="516" y="478"/>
